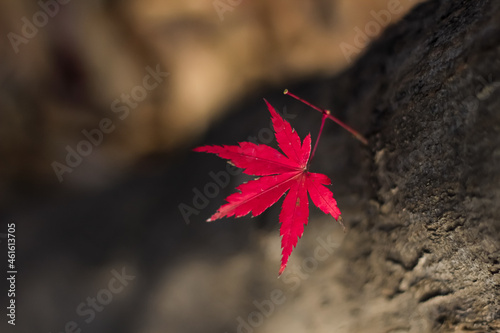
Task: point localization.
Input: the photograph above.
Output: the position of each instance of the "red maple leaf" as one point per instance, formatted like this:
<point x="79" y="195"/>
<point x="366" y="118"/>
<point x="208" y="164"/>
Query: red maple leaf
<point x="279" y="173"/>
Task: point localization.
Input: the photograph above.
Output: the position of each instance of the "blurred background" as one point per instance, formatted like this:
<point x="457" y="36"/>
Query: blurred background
<point x="144" y="82"/>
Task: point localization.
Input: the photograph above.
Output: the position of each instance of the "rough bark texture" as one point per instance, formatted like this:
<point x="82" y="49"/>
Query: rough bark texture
<point x="432" y="241"/>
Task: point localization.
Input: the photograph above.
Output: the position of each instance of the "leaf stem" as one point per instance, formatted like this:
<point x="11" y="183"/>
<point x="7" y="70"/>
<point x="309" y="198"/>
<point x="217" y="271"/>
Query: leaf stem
<point x="326" y="113"/>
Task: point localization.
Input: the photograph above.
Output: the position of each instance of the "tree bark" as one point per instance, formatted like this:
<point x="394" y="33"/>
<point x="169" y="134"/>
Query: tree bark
<point x="429" y="90"/>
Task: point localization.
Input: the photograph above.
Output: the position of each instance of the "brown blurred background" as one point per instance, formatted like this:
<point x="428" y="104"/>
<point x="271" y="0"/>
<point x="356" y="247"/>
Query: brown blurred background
<point x="64" y="79"/>
<point x="75" y="71"/>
